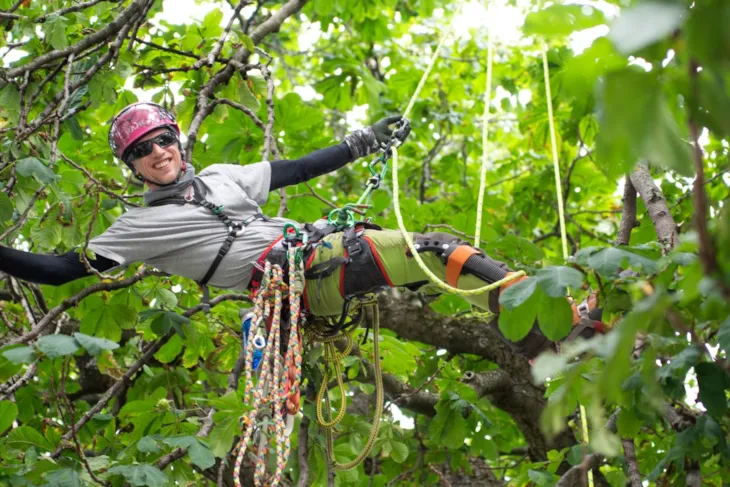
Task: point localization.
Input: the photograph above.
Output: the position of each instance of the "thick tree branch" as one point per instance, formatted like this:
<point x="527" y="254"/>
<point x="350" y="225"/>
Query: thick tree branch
<point x="656" y="205"/>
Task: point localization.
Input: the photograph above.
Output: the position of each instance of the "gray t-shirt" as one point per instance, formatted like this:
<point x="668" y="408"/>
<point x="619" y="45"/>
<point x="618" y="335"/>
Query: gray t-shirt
<point x="184" y="239"/>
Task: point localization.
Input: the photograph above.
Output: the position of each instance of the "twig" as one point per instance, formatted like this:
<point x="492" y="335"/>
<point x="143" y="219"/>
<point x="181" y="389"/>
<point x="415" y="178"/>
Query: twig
<point x="222" y="39"/>
<point x="314" y="194"/>
<point x="440" y="474"/>
<point x="118" y="24"/>
<point x="632" y="466"/>
<point x="61" y="394"/>
<point x="8" y="390"/>
<point x="71" y="9"/>
<point x="99" y="185"/>
<point x="244" y="109"/>
<point x="24" y="215"/>
<point x="706" y="247"/>
<point x="628" y="216"/>
<point x="74" y="300"/>
<point x="415" y="391"/>
<point x="203" y="106"/>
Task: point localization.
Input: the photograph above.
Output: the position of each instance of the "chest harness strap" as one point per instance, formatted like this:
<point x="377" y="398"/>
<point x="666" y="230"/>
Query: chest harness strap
<point x="234" y="229"/>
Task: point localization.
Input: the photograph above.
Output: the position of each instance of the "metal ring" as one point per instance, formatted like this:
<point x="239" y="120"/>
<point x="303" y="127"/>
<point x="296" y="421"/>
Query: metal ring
<point x="259" y="342"/>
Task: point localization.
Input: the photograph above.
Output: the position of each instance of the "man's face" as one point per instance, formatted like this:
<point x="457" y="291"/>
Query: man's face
<point x="162" y="165"/>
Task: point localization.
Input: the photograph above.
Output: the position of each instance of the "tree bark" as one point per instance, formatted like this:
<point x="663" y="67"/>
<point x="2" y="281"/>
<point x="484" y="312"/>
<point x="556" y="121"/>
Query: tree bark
<point x="517" y="396"/>
<point x="656" y="205"/>
<point x="628" y="215"/>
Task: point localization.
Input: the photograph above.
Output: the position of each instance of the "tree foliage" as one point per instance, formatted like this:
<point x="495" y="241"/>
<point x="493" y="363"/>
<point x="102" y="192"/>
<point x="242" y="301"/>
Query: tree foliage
<point x="121" y="380"/>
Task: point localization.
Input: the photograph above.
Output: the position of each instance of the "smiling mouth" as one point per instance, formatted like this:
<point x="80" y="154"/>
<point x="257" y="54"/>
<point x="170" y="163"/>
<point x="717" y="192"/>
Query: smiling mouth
<point x="162" y="164"/>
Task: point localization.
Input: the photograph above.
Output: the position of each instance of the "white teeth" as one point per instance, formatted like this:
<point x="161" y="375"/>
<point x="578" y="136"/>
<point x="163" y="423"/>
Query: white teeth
<point x="162" y="164"/>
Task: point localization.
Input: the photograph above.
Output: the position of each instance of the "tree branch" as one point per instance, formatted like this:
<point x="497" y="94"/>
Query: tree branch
<point x="628" y="215"/>
<point x="119" y="23"/>
<point x="656" y="205"/>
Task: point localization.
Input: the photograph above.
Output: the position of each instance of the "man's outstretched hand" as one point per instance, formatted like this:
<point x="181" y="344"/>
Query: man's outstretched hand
<point x="369" y="140"/>
<point x="383" y="132"/>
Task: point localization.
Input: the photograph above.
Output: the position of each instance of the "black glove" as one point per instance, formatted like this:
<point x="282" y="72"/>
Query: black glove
<point x="369" y="140"/>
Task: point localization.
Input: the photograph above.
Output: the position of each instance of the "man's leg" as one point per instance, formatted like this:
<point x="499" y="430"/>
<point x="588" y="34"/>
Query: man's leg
<point x="325" y="296"/>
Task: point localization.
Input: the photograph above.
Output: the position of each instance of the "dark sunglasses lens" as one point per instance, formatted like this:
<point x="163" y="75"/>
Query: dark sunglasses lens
<point x="163" y="140"/>
<point x="140" y="150"/>
<point x="145" y="148"/>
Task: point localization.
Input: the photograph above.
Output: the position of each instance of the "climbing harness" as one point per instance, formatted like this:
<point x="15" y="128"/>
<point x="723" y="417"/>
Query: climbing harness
<point x="234" y="228"/>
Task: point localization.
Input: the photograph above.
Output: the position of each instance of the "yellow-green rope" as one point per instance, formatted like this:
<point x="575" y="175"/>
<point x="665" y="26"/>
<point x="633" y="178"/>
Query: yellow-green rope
<point x="485" y="132"/>
<point x="561" y="211"/>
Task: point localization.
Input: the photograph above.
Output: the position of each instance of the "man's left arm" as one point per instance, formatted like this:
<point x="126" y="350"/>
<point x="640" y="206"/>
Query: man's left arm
<point x="359" y="143"/>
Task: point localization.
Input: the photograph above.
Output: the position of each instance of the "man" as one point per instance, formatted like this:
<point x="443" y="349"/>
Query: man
<point x="190" y="225"/>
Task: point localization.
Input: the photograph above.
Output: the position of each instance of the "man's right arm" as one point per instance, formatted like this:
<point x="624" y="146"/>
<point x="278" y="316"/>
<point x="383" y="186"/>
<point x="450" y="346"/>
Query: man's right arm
<point x="49" y="269"/>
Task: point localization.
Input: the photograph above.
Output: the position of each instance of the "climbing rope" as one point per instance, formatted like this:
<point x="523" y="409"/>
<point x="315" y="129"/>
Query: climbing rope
<point x="485" y="131"/>
<point x="332" y="359"/>
<point x="280" y="375"/>
<point x="396" y="193"/>
<point x="561" y="212"/>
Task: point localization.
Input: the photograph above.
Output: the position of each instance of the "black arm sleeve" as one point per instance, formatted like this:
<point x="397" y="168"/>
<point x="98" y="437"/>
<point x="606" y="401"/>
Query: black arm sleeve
<point x="286" y="173"/>
<point x="48" y="269"/>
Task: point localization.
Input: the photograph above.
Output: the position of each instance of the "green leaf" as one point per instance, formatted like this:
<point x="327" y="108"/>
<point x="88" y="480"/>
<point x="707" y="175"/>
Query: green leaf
<point x="548" y="364"/>
<point x="53" y="346"/>
<point x="55" y="30"/>
<point x="140" y="475"/>
<point x="561" y="20"/>
<point x="640" y="126"/>
<point x="645" y="24"/>
<point x="8" y="413"/>
<point x="6" y="207"/>
<point x="64" y="477"/>
<point x="555" y="317"/>
<point x="448" y="427"/>
<point x="609" y="261"/>
<point x="712" y="382"/>
<point x="400" y="452"/>
<point x="708" y="37"/>
<point x="517" y="294"/>
<point x="723" y="336"/>
<point x="628" y="424"/>
<point x="20" y="355"/>
<point x="163" y="320"/>
<point x="23" y="437"/>
<point x="575" y="455"/>
<point x="47" y="236"/>
<point x="555" y="281"/>
<point x="95" y="345"/>
<point x="542" y="479"/>
<point x="247" y="42"/>
<point x="33" y="167"/>
<point x="10" y="101"/>
<point x="516" y="323"/>
<point x="170" y="350"/>
<point x="148" y="445"/>
<point x="201" y="455"/>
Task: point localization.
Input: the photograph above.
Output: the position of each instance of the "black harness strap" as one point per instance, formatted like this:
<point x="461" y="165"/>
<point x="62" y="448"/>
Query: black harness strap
<point x="233" y="229"/>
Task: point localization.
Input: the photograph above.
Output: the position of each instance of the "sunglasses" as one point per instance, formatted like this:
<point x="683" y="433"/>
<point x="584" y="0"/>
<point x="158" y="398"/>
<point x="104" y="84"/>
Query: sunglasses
<point x="144" y="148"/>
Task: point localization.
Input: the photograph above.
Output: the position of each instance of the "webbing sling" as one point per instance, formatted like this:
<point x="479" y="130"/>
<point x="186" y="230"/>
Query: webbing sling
<point x="234" y="228"/>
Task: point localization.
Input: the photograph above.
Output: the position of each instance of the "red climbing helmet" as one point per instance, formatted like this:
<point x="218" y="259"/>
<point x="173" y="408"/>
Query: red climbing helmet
<point x="134" y="121"/>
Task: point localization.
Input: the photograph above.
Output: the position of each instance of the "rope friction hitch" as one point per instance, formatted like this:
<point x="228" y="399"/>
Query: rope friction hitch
<point x="344" y="217"/>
